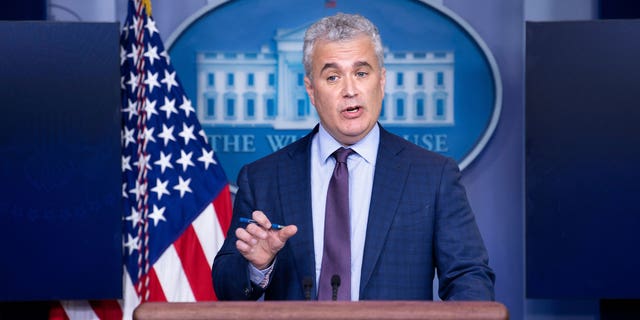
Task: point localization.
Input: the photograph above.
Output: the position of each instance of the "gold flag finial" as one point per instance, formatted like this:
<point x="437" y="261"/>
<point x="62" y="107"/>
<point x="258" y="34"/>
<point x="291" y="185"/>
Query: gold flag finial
<point x="147" y="6"/>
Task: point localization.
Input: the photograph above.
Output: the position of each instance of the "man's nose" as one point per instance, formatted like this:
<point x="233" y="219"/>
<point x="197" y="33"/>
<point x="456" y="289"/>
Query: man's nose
<point x="349" y="88"/>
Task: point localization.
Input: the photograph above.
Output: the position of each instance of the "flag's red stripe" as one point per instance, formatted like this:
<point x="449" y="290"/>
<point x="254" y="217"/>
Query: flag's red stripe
<point x="56" y="312"/>
<point x="195" y="264"/>
<point x="106" y="309"/>
<point x="155" y="288"/>
<point x="222" y="203"/>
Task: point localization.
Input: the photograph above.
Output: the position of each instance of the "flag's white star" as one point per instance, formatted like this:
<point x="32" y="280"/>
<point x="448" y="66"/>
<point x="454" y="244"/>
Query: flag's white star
<point x="204" y="136"/>
<point x="128" y="136"/>
<point x="165" y="54"/>
<point x="125" y="163"/>
<point x="124" y="190"/>
<point x="169" y="107"/>
<point x="143" y="162"/>
<point x="207" y="158"/>
<point x="133" y="54"/>
<point x="169" y="80"/>
<point x="138" y="190"/>
<point x="151" y="54"/>
<point x="132" y="244"/>
<point x="123" y="55"/>
<point x="187" y="133"/>
<point x="151" y="81"/>
<point x="160" y="188"/>
<point x="185" y="160"/>
<point x="134" y="23"/>
<point x="183" y="186"/>
<point x="166" y="134"/>
<point x="133" y="81"/>
<point x="148" y="135"/>
<point x="164" y="162"/>
<point x="135" y="217"/>
<point x="125" y="30"/>
<point x="157" y="215"/>
<point x="150" y="108"/>
<point x="131" y="108"/>
<point x="151" y="27"/>
<point x="186" y="106"/>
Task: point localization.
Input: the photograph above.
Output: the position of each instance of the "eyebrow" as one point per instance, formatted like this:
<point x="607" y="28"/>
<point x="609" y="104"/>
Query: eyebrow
<point x="362" y="64"/>
<point x="357" y="64"/>
<point x="328" y="66"/>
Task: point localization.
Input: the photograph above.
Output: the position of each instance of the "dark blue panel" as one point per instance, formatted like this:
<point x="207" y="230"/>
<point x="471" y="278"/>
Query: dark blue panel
<point x="619" y="9"/>
<point x="23" y="10"/>
<point x="60" y="206"/>
<point x="582" y="160"/>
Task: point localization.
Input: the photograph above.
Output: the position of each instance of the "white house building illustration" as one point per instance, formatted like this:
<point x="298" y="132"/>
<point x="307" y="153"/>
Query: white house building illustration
<point x="266" y="88"/>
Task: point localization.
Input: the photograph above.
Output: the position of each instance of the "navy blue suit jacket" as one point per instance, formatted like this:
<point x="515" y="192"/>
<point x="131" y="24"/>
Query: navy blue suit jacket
<point x="419" y="221"/>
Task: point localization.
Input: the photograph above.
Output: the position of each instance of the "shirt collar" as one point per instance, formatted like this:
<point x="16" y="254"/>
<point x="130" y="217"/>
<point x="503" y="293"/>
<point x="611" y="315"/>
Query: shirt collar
<point x="367" y="148"/>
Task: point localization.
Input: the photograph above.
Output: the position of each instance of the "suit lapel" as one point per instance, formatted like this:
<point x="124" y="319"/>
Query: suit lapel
<point x="388" y="183"/>
<point x="295" y="191"/>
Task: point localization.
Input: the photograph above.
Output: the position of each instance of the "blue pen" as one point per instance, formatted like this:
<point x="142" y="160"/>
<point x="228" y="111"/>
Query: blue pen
<point x="273" y="225"/>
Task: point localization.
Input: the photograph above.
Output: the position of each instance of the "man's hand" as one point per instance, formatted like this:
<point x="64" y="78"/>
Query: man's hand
<point x="258" y="243"/>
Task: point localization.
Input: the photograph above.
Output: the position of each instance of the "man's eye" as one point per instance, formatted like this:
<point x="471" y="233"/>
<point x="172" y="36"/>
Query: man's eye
<point x="361" y="74"/>
<point x="332" y="78"/>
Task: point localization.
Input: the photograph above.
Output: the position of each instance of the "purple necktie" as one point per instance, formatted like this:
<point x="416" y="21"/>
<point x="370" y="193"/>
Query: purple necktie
<point x="336" y="257"/>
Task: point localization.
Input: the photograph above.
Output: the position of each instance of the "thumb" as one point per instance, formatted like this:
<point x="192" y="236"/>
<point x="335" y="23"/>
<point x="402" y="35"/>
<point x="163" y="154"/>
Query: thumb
<point x="287" y="232"/>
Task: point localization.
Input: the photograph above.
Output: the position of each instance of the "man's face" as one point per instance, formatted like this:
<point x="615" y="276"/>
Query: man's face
<point x="347" y="87"/>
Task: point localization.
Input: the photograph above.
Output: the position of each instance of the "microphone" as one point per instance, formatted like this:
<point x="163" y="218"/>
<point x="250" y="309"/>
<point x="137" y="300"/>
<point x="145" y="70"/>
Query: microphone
<point x="307" y="284"/>
<point x="335" y="284"/>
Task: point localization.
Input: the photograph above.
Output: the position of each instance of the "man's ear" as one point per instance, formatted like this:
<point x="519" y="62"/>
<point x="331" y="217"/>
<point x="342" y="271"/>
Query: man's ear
<point x="309" y="87"/>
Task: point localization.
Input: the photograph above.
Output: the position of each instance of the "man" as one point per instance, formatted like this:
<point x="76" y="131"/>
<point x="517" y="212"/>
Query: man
<point x="407" y="213"/>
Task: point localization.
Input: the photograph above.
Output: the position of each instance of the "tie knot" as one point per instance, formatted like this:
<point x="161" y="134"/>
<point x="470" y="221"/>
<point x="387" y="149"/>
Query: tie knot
<point x="341" y="154"/>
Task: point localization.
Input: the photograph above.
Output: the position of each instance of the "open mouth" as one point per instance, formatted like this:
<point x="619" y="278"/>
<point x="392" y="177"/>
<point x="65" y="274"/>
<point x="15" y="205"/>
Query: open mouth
<point x="353" y="109"/>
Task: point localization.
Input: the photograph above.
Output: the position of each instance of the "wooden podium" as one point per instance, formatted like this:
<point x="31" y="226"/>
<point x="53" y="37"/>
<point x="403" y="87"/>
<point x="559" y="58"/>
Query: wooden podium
<point x="309" y="310"/>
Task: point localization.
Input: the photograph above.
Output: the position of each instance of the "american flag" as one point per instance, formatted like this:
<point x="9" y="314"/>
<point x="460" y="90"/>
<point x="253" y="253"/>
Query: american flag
<point x="177" y="205"/>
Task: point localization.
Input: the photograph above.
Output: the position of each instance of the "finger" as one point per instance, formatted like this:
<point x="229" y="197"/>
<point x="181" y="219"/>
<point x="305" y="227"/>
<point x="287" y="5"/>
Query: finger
<point x="261" y="219"/>
<point x="243" y="247"/>
<point x="257" y="231"/>
<point x="245" y="236"/>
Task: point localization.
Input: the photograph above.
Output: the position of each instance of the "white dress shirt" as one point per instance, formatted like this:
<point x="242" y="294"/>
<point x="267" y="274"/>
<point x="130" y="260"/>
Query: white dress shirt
<point x="361" y="170"/>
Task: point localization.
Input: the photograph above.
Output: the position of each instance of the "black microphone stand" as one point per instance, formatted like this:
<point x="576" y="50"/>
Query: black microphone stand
<point x="307" y="284"/>
<point x="335" y="284"/>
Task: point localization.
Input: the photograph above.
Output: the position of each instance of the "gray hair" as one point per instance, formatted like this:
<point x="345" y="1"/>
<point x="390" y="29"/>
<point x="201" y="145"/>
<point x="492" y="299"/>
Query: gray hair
<point x="340" y="27"/>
